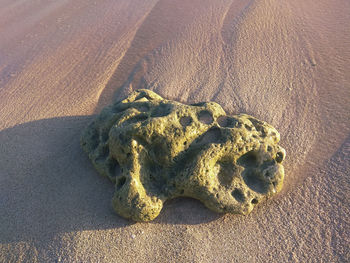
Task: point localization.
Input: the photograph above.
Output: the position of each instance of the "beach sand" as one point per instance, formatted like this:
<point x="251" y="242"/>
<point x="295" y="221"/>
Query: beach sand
<point x="61" y="62"/>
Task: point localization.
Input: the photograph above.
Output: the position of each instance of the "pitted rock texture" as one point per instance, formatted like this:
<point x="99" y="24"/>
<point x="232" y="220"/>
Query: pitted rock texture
<point x="155" y="149"/>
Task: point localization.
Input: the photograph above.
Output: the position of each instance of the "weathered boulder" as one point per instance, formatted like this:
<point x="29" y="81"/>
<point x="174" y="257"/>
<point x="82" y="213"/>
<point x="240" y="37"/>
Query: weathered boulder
<point x="155" y="149"/>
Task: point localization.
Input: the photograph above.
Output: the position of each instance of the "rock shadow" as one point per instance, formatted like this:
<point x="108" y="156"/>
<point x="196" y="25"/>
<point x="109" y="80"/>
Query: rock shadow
<point x="48" y="185"/>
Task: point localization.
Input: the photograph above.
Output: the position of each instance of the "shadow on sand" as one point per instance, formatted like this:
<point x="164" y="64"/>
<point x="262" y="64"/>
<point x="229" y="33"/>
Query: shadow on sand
<point x="48" y="185"/>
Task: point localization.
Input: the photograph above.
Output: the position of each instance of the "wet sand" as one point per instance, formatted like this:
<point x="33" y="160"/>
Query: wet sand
<point x="61" y="62"/>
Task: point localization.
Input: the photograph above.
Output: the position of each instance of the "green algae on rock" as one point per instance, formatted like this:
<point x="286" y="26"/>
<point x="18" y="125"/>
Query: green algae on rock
<point x="155" y="149"/>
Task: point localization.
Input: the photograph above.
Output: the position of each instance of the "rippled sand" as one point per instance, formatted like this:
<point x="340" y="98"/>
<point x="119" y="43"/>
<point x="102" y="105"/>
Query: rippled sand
<point x="286" y="62"/>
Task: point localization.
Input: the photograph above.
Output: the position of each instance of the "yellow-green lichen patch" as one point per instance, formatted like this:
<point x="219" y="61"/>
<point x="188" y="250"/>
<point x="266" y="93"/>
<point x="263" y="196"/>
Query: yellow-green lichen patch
<point x="155" y="149"/>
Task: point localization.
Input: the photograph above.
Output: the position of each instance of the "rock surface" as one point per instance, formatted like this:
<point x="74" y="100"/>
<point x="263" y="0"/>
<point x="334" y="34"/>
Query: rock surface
<point x="155" y="149"/>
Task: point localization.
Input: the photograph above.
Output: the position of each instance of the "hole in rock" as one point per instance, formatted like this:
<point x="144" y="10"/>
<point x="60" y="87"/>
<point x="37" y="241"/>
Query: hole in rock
<point x="137" y="118"/>
<point x="279" y="157"/>
<point x="142" y="107"/>
<point x="162" y="110"/>
<point x="226" y="122"/>
<point x="121" y="182"/>
<point x="185" y="121"/>
<point x="248" y="159"/>
<point x="238" y="195"/>
<point x="257" y="124"/>
<point x="226" y="174"/>
<point x="249" y="128"/>
<point x="151" y="177"/>
<point x="114" y="168"/>
<point x="205" y="117"/>
<point x="199" y="104"/>
<point x="142" y="95"/>
<point x="213" y="135"/>
<point x="268" y="174"/>
<point x="254" y="201"/>
<point x="254" y="181"/>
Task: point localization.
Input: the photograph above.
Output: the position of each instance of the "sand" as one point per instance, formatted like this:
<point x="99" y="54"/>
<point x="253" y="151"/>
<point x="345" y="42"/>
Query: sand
<point x="61" y="62"/>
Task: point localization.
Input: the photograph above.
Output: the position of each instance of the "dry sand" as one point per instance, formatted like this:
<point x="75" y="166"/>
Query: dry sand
<point x="286" y="62"/>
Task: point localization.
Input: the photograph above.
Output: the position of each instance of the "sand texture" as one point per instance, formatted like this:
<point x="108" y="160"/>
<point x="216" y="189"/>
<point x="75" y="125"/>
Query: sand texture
<point x="61" y="62"/>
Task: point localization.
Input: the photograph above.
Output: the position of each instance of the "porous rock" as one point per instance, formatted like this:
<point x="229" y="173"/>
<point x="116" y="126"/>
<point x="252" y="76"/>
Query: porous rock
<point x="155" y="149"/>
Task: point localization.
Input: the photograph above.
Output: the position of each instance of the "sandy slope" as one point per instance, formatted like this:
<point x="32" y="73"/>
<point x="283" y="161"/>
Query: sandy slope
<point x="286" y="62"/>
